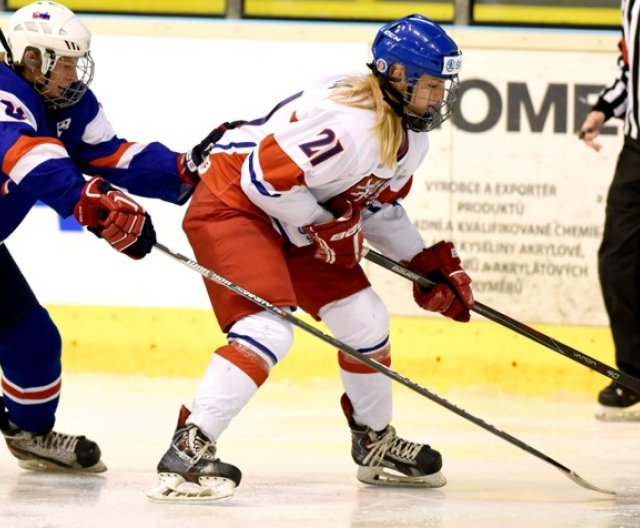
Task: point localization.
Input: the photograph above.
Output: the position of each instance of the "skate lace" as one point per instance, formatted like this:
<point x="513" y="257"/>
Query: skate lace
<point x="389" y="442"/>
<point x="57" y="441"/>
<point x="201" y="448"/>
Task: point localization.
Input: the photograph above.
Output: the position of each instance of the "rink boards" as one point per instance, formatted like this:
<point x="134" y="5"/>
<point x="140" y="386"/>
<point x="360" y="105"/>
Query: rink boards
<point x="433" y="352"/>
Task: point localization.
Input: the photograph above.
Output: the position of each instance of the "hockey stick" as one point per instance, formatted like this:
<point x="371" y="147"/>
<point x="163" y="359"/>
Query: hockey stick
<point x="625" y="379"/>
<point x="383" y="369"/>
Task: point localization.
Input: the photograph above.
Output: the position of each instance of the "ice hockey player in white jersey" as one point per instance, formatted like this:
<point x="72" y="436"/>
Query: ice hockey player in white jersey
<point x="282" y="208"/>
<point x="52" y="131"/>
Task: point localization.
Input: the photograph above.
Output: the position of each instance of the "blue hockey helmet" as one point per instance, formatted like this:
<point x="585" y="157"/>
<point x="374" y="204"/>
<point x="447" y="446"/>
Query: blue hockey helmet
<point x="420" y="46"/>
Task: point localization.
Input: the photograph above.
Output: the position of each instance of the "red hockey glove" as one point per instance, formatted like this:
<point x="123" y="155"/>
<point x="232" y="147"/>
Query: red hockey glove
<point x="116" y="217"/>
<point x="189" y="162"/>
<point x="452" y="296"/>
<point x="339" y="241"/>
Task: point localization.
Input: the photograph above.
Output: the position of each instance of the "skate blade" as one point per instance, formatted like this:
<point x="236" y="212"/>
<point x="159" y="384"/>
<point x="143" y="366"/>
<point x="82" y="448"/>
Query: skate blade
<point x="378" y="476"/>
<point x="46" y="466"/>
<point x="172" y="487"/>
<point x="618" y="414"/>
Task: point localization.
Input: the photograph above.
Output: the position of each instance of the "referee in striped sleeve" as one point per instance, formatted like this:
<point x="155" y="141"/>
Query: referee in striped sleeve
<point x="619" y="254"/>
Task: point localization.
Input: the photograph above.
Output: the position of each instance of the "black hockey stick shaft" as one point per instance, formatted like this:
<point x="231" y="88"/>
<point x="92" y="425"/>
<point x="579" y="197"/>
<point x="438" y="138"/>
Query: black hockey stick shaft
<point x="383" y="369"/>
<point x="493" y="315"/>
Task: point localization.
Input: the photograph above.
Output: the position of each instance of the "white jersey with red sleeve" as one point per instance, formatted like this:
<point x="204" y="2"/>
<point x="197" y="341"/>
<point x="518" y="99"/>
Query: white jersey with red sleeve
<point x="308" y="150"/>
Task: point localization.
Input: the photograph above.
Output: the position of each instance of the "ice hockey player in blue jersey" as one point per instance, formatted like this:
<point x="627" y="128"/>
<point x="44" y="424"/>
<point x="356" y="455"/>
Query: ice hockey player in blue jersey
<point x="52" y="132"/>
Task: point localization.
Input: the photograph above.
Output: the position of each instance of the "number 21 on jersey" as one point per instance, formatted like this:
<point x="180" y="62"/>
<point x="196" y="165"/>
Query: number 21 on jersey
<point x="323" y="148"/>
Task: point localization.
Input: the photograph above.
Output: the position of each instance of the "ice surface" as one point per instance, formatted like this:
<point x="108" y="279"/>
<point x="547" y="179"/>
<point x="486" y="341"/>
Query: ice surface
<point x="292" y="445"/>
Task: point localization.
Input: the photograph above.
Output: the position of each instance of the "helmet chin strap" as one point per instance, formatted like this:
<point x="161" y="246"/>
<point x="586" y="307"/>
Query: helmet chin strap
<point x="390" y="94"/>
<point x="43" y="86"/>
<point x="7" y="49"/>
<point x="396" y="101"/>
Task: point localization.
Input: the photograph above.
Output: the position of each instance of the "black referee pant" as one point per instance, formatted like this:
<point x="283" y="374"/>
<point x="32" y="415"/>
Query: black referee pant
<point x="619" y="258"/>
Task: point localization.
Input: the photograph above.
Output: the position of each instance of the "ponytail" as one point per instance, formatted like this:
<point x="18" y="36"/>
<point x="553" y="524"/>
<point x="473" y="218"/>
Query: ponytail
<point x="363" y="91"/>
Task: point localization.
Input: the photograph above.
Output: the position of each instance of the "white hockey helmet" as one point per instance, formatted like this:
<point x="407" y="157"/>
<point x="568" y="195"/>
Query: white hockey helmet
<point x="55" y="32"/>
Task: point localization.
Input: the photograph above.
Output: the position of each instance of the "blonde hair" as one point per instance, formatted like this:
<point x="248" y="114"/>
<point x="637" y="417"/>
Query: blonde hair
<point x="363" y="91"/>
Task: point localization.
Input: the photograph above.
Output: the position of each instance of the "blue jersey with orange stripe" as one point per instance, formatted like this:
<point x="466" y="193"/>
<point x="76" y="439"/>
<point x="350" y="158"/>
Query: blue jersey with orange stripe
<point x="45" y="152"/>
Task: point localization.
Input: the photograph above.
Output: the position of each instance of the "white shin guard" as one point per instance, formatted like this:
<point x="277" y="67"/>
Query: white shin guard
<point x="361" y="320"/>
<point x="225" y="388"/>
<point x="223" y="392"/>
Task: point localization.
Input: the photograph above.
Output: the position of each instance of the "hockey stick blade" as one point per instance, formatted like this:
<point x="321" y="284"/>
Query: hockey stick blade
<point x="627" y="380"/>
<point x="585" y="484"/>
<point x="383" y="369"/>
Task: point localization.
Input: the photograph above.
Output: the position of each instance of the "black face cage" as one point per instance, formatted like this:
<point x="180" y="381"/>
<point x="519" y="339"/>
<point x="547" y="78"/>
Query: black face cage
<point x="74" y="91"/>
<point x="438" y="112"/>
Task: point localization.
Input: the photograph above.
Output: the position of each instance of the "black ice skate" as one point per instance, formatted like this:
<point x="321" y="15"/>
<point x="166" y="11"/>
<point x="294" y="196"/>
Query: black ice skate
<point x="189" y="470"/>
<point x="618" y="404"/>
<point x="385" y="459"/>
<point x="54" y="452"/>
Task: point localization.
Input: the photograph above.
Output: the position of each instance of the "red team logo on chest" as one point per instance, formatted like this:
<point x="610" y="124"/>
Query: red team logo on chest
<point x="365" y="191"/>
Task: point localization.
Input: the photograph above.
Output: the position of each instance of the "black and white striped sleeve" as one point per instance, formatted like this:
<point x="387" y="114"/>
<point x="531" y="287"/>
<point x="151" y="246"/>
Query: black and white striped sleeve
<point x="613" y="99"/>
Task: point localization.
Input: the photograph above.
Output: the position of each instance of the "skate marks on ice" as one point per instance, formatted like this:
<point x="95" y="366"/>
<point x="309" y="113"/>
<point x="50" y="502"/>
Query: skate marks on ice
<point x="70" y="501"/>
<point x="293" y="447"/>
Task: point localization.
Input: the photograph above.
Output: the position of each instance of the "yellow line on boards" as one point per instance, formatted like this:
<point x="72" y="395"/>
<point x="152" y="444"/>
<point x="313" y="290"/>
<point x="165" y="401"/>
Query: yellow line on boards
<point x="353" y="10"/>
<point x="186" y="7"/>
<point x="434" y="352"/>
<point x="532" y="14"/>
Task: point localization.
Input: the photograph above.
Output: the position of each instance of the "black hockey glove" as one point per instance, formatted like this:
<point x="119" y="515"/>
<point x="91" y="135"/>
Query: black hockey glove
<point x="189" y="162"/>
